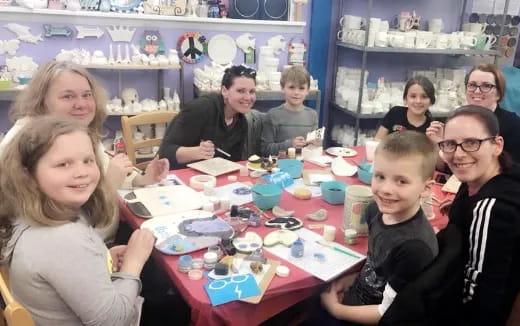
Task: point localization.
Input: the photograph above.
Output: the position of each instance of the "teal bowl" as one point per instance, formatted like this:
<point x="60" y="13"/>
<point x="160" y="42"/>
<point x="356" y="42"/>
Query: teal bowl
<point x="266" y="196"/>
<point x="333" y="192"/>
<point x="365" y="172"/>
<point x="24" y="80"/>
<point x="292" y="166"/>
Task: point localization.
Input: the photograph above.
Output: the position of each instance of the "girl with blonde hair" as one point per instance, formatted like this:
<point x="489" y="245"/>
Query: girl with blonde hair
<point x="52" y="194"/>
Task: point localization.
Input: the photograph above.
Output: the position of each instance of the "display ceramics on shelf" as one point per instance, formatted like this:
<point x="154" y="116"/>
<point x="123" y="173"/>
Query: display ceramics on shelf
<point x="32" y="4"/>
<point x="73" y="5"/>
<point x="9" y="46"/>
<point x="56" y="5"/>
<point x="297" y="51"/>
<point x="83" y="32"/>
<point x="213" y="10"/>
<point x="192" y="47"/>
<point x="50" y="31"/>
<point x="121" y="33"/>
<point x="129" y="96"/>
<point x="124" y="5"/>
<point x="298" y="4"/>
<point x="89" y="4"/>
<point x="277" y="43"/>
<point x="246" y="42"/>
<point x="151" y="42"/>
<point x="104" y="5"/>
<point x="23" y="33"/>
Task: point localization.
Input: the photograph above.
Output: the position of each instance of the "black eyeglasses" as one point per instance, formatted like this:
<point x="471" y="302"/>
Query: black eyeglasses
<point x="467" y="145"/>
<point x="484" y="87"/>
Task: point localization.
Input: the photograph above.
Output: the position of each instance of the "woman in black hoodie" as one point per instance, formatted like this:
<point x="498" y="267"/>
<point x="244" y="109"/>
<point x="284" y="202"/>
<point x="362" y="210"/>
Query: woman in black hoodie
<point x="486" y="210"/>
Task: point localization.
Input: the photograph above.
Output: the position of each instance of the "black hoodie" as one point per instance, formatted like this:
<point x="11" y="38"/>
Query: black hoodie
<point x="490" y="225"/>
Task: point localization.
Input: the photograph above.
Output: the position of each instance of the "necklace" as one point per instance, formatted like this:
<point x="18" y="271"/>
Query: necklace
<point x="247" y="16"/>
<point x="272" y="16"/>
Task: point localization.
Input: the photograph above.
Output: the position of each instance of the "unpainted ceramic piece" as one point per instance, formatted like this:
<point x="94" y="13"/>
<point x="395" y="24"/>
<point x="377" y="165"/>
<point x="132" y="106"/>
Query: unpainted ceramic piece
<point x="319" y="215"/>
<point x="280" y="212"/>
<point x="341" y="168"/>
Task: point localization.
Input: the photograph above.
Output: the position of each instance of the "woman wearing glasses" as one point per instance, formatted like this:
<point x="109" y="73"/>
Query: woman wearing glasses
<point x="486" y="210"/>
<point x="485" y="87"/>
<point x="212" y="125"/>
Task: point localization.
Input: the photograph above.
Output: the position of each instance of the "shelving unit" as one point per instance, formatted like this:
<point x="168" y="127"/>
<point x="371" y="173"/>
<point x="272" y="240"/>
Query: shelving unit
<point x="9" y="94"/>
<point x="160" y="75"/>
<point x="11" y="14"/>
<point x="314" y="95"/>
<point x="357" y="116"/>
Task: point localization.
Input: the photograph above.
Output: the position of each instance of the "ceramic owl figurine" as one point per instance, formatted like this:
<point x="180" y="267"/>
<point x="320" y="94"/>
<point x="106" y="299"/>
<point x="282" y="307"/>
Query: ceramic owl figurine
<point x="152" y="43"/>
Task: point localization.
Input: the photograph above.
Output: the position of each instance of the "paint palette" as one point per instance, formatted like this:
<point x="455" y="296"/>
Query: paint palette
<point x="249" y="243"/>
<point x="181" y="233"/>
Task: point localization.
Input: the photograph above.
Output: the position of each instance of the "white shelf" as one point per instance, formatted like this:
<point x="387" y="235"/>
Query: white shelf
<point x="415" y="50"/>
<point x="132" y="67"/>
<point x="9" y="94"/>
<point x="11" y="14"/>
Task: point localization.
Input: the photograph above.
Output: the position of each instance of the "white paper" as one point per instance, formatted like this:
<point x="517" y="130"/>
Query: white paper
<point x="335" y="263"/>
<point x="317" y="178"/>
<point x="298" y="183"/>
<point x="228" y="191"/>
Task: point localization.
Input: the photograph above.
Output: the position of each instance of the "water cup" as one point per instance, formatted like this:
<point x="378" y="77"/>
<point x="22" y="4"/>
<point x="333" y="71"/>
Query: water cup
<point x="370" y="148"/>
<point x="357" y="198"/>
<point x="291" y="166"/>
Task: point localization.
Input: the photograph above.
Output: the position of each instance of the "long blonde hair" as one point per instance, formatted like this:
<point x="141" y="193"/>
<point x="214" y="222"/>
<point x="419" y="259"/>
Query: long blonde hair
<point x="20" y="193"/>
<point x="31" y="102"/>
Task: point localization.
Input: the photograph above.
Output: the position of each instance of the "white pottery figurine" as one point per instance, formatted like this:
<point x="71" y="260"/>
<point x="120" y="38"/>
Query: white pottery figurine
<point x="277" y="43"/>
<point x="246" y="43"/>
<point x="129" y="96"/>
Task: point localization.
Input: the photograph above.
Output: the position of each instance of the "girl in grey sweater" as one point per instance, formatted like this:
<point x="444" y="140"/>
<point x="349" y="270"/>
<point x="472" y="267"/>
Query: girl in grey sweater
<point x="52" y="194"/>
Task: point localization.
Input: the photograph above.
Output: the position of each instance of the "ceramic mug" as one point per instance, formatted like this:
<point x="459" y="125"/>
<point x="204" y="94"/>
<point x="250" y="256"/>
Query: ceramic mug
<point x="441" y="41"/>
<point x="435" y="25"/>
<point x="476" y="28"/>
<point x="454" y="40"/>
<point x="468" y="42"/>
<point x="351" y="22"/>
<point x="381" y="39"/>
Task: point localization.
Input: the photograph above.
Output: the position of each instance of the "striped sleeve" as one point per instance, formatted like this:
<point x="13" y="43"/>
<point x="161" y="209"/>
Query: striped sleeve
<point x="489" y="271"/>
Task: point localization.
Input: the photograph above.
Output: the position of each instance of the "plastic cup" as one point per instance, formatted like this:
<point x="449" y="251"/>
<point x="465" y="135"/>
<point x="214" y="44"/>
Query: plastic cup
<point x="370" y="148"/>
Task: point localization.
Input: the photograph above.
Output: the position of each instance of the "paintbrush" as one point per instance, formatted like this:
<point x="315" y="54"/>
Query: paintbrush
<point x="139" y="171"/>
<point x="337" y="249"/>
<point x="222" y="151"/>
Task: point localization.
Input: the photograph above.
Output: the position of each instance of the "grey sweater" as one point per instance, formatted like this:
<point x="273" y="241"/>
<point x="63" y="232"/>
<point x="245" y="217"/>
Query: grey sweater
<point x="282" y="125"/>
<point x="61" y="275"/>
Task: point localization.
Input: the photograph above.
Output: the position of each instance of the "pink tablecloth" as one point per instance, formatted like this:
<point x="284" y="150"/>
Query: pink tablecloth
<point x="282" y="292"/>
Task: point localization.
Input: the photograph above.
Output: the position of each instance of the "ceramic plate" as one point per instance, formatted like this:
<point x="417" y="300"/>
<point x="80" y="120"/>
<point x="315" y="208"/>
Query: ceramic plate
<point x="255" y="169"/>
<point x="341" y="151"/>
<point x="222" y="49"/>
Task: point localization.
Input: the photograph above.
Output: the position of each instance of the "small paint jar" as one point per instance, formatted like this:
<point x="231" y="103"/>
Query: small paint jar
<point x="184" y="263"/>
<point x="244" y="171"/>
<point x="197" y="263"/>
<point x="216" y="249"/>
<point x="329" y="232"/>
<point x="254" y="219"/>
<point x="210" y="260"/>
<point x="351" y="236"/>
<point x="291" y="152"/>
<point x="297" y="249"/>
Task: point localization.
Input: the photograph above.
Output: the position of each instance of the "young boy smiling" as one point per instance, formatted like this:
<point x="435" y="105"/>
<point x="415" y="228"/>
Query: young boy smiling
<point x="401" y="242"/>
<point x="287" y="125"/>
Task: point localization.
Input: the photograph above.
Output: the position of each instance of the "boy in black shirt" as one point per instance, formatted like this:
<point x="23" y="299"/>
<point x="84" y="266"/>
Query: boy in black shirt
<point x="401" y="240"/>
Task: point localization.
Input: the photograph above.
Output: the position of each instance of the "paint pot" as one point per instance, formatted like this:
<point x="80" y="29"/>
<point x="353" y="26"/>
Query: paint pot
<point x="350" y="236"/>
<point x="184" y="263"/>
<point x="329" y="232"/>
<point x="210" y="260"/>
<point x="357" y="198"/>
<point x="297" y="249"/>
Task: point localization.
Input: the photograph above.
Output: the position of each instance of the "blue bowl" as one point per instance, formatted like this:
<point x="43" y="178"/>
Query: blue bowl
<point x="24" y="80"/>
<point x="266" y="196"/>
<point x="365" y="172"/>
<point x="291" y="166"/>
<point x="333" y="192"/>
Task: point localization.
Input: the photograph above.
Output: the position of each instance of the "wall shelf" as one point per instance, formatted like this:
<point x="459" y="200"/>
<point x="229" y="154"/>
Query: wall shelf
<point x="132" y="67"/>
<point x="12" y="14"/>
<point x="414" y="50"/>
<point x="9" y="94"/>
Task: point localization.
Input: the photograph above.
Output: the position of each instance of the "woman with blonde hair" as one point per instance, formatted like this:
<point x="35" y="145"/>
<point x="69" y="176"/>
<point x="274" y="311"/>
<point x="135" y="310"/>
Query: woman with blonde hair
<point x="68" y="90"/>
<point x="52" y="194"/>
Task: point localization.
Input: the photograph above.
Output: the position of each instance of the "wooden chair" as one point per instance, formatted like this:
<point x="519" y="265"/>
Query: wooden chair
<point x="14" y="314"/>
<point x="142" y="119"/>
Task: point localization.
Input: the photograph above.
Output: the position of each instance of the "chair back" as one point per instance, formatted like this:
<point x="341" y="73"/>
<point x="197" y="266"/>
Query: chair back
<point x="156" y="117"/>
<point x="14" y="313"/>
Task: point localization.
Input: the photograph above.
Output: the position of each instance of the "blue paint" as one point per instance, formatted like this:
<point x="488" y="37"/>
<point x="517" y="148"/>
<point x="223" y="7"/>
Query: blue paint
<point x="297" y="248"/>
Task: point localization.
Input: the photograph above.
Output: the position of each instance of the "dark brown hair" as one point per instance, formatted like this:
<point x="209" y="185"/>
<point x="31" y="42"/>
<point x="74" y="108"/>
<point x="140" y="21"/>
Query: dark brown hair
<point x="426" y="85"/>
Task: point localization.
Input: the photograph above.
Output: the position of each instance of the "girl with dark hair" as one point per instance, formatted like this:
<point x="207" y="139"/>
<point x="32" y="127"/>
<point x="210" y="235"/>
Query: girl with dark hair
<point x="419" y="95"/>
<point x="486" y="210"/>
<point x="212" y="121"/>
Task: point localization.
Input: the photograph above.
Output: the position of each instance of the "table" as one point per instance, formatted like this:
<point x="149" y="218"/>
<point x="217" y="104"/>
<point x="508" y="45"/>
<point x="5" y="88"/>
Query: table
<point x="282" y="293"/>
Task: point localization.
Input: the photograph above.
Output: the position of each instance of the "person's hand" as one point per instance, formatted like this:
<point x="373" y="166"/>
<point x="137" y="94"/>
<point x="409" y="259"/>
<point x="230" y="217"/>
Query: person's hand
<point x="435" y="131"/>
<point x="445" y="205"/>
<point x="315" y="142"/>
<point x="117" y="253"/>
<point x="119" y="167"/>
<point x="330" y="301"/>
<point x="206" y="150"/>
<point x="298" y="142"/>
<point x="138" y="250"/>
<point x="156" y="171"/>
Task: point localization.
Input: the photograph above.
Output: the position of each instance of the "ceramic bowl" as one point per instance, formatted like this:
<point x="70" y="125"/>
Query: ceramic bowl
<point x="365" y="172"/>
<point x="333" y="192"/>
<point x="266" y="196"/>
